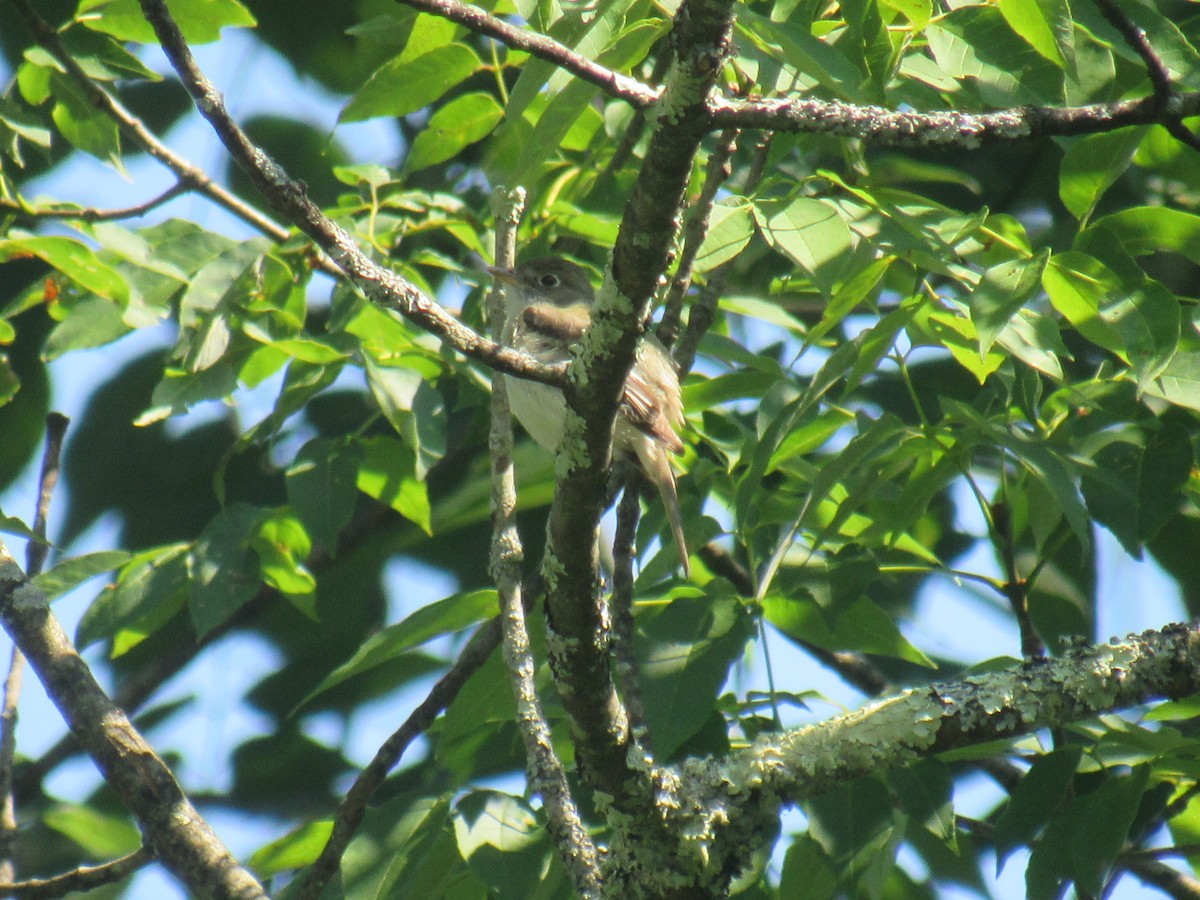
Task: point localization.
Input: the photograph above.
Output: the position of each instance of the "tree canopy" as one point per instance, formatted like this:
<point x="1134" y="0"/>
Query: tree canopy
<point x="929" y="271"/>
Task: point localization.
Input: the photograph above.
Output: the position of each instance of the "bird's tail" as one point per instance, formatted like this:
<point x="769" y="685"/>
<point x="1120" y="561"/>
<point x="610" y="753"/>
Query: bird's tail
<point x="659" y="466"/>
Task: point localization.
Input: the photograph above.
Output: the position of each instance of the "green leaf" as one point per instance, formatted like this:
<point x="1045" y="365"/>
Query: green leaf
<point x="730" y="228"/>
<point x="73" y="259"/>
<point x="200" y="21"/>
<point x="150" y="588"/>
<point x="1137" y="485"/>
<point x="686" y="651"/>
<point x="1079" y="287"/>
<point x="82" y="123"/>
<point x="1035" y="800"/>
<point x="1100" y="824"/>
<point x="446" y="616"/>
<point x="281" y="544"/>
<point x="298" y="848"/>
<point x="322" y="487"/>
<point x="862" y="627"/>
<point x="92" y="322"/>
<point x="458" y="124"/>
<point x="1179" y="382"/>
<point x="402" y="86"/>
<point x="102" y="836"/>
<point x="810" y="233"/>
<point x="1092" y="165"/>
<point x="70" y="573"/>
<point x="225" y="572"/>
<point x="1046" y="25"/>
<point x="386" y="472"/>
<point x="413" y="408"/>
<point x="1002" y="291"/>
<point x="1148" y="319"/>
<point x="1147" y="229"/>
<point x="503" y="840"/>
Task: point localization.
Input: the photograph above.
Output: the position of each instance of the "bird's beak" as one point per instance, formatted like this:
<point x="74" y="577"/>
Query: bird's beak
<point x="506" y="276"/>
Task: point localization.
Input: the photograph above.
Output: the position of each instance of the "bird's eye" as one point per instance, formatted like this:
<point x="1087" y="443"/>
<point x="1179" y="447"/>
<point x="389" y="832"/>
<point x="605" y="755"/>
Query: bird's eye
<point x="548" y="280"/>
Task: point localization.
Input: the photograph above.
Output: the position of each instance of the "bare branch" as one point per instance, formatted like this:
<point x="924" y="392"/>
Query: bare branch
<point x="381" y="285"/>
<point x="92" y="214"/>
<point x="941" y="128"/>
<point x="188" y="174"/>
<point x="624" y="652"/>
<point x="35" y="558"/>
<point x="177" y="833"/>
<point x="546" y="773"/>
<point x="1165" y="95"/>
<point x="85" y="878"/>
<point x="694" y="233"/>
<point x="354" y="806"/>
<point x="615" y="84"/>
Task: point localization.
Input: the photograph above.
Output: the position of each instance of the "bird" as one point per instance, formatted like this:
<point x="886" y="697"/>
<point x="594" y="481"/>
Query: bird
<point x="548" y="304"/>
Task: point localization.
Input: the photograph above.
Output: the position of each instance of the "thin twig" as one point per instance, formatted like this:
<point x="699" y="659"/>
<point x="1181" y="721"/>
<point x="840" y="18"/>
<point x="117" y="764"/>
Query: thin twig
<point x="85" y="878"/>
<point x="716" y="173"/>
<point x="703" y="311"/>
<point x="546" y="773"/>
<point x="853" y="668"/>
<point x="289" y="198"/>
<point x="613" y="83"/>
<point x="1166" y="97"/>
<point x="624" y="652"/>
<point x="92" y="214"/>
<point x="35" y="558"/>
<point x="189" y="174"/>
<point x="1015" y="587"/>
<point x="354" y="805"/>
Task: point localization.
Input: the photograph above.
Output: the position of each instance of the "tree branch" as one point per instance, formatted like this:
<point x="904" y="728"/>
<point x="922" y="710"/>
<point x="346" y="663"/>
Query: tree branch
<point x="623" y="87"/>
<point x="35" y="558"/>
<point x="941" y="128"/>
<point x="354" y="805"/>
<point x="725" y="804"/>
<point x="579" y="636"/>
<point x="288" y="197"/>
<point x="92" y="214"/>
<point x="188" y="174"/>
<point x="177" y="834"/>
<point x="85" y="878"/>
<point x="546" y="773"/>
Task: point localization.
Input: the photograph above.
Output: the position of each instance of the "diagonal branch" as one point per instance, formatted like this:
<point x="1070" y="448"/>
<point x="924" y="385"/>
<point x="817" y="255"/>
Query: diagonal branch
<point x="1167" y="99"/>
<point x="632" y="91"/>
<point x="92" y="214"/>
<point x="289" y="198"/>
<point x="188" y="174"/>
<point x="174" y="830"/>
<point x="727" y="798"/>
<point x="85" y="878"/>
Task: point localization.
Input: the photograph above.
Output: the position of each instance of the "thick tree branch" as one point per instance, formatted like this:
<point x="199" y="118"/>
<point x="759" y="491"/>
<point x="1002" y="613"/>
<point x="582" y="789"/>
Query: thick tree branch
<point x="726" y="803"/>
<point x="174" y="830"/>
<point x="941" y="128"/>
<point x="615" y="84"/>
<point x="579" y="630"/>
<point x="288" y="197"/>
